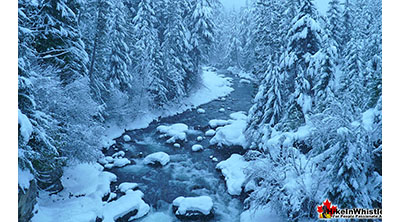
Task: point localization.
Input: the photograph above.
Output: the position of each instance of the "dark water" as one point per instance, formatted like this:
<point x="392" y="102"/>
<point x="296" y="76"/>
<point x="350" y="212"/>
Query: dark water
<point x="188" y="173"/>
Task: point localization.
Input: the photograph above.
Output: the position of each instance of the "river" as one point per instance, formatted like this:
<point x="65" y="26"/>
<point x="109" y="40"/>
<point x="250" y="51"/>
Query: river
<point x="188" y="173"/>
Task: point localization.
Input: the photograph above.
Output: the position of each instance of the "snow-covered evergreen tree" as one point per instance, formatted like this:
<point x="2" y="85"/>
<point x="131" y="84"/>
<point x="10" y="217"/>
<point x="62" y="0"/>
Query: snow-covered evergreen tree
<point x="334" y="26"/>
<point x="176" y="50"/>
<point x="304" y="40"/>
<point x="148" y="51"/>
<point x="59" y="42"/>
<point x="201" y="28"/>
<point x="119" y="76"/>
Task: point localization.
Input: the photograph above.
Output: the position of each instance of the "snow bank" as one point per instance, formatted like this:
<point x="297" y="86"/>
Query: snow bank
<point x="25" y="128"/>
<point x="87" y="183"/>
<point x="175" y="132"/>
<point x="201" y="204"/>
<point x="131" y="201"/>
<point x="159" y="157"/>
<point x="231" y="134"/>
<point x="233" y="171"/>
<point x="24" y="178"/>
<point x="197" y="147"/>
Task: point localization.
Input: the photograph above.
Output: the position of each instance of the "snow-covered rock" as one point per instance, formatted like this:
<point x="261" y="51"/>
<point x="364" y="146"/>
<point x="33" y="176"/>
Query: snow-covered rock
<point x="233" y="171"/>
<point x="128" y="207"/>
<point x="177" y="145"/>
<point x="221" y="110"/>
<point x="210" y="132"/>
<point x="245" y="81"/>
<point x="199" y="138"/>
<point x="126" y="138"/>
<point x="231" y="134"/>
<point x="214" y="123"/>
<point x="200" y="111"/>
<point x="124" y="187"/>
<point x="193" y="208"/>
<point x="159" y="157"/>
<point x="197" y="147"/>
<point x="118" y="154"/>
<point x="214" y="159"/>
<point x="121" y="162"/>
<point x="175" y="132"/>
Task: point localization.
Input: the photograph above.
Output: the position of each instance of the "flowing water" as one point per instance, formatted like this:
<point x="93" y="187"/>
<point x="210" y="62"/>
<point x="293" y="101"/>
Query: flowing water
<point x="188" y="173"/>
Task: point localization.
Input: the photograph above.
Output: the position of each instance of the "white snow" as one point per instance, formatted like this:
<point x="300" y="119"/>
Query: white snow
<point x="175" y="132"/>
<point x="159" y="157"/>
<point x="210" y="132"/>
<point x="118" y="154"/>
<point x="197" y="147"/>
<point x="260" y="215"/>
<point x="368" y="119"/>
<point x="26" y="128"/>
<point x="158" y="217"/>
<point x="115" y="162"/>
<point x="131" y="201"/>
<point x="214" y="123"/>
<point x="24" y="178"/>
<point x="200" y="111"/>
<point x="83" y="179"/>
<point x="202" y="204"/>
<point x="124" y="187"/>
<point x="231" y="134"/>
<point x="127" y="138"/>
<point x="121" y="162"/>
<point x="244" y="81"/>
<point x="233" y="171"/>
<point x="199" y="138"/>
<point x="177" y="145"/>
<point x="221" y="110"/>
<point x="214" y="159"/>
<point x="238" y="116"/>
<point x="242" y="74"/>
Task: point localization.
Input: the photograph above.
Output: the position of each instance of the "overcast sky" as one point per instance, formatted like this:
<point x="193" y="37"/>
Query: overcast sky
<point x="229" y="4"/>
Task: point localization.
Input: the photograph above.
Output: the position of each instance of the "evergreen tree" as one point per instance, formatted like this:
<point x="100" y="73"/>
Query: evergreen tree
<point x="201" y="28"/>
<point x="176" y="50"/>
<point x="60" y="41"/>
<point x="353" y="80"/>
<point x="150" y="67"/>
<point x="233" y="55"/>
<point x="305" y="40"/>
<point x="334" y="21"/>
<point x="120" y="60"/>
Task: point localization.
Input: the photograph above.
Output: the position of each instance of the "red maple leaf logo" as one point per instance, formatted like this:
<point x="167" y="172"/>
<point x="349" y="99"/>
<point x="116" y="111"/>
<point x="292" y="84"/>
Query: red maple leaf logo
<point x="326" y="210"/>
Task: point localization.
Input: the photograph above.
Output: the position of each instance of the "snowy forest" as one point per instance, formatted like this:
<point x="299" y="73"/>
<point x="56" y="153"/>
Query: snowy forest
<point x="185" y="110"/>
